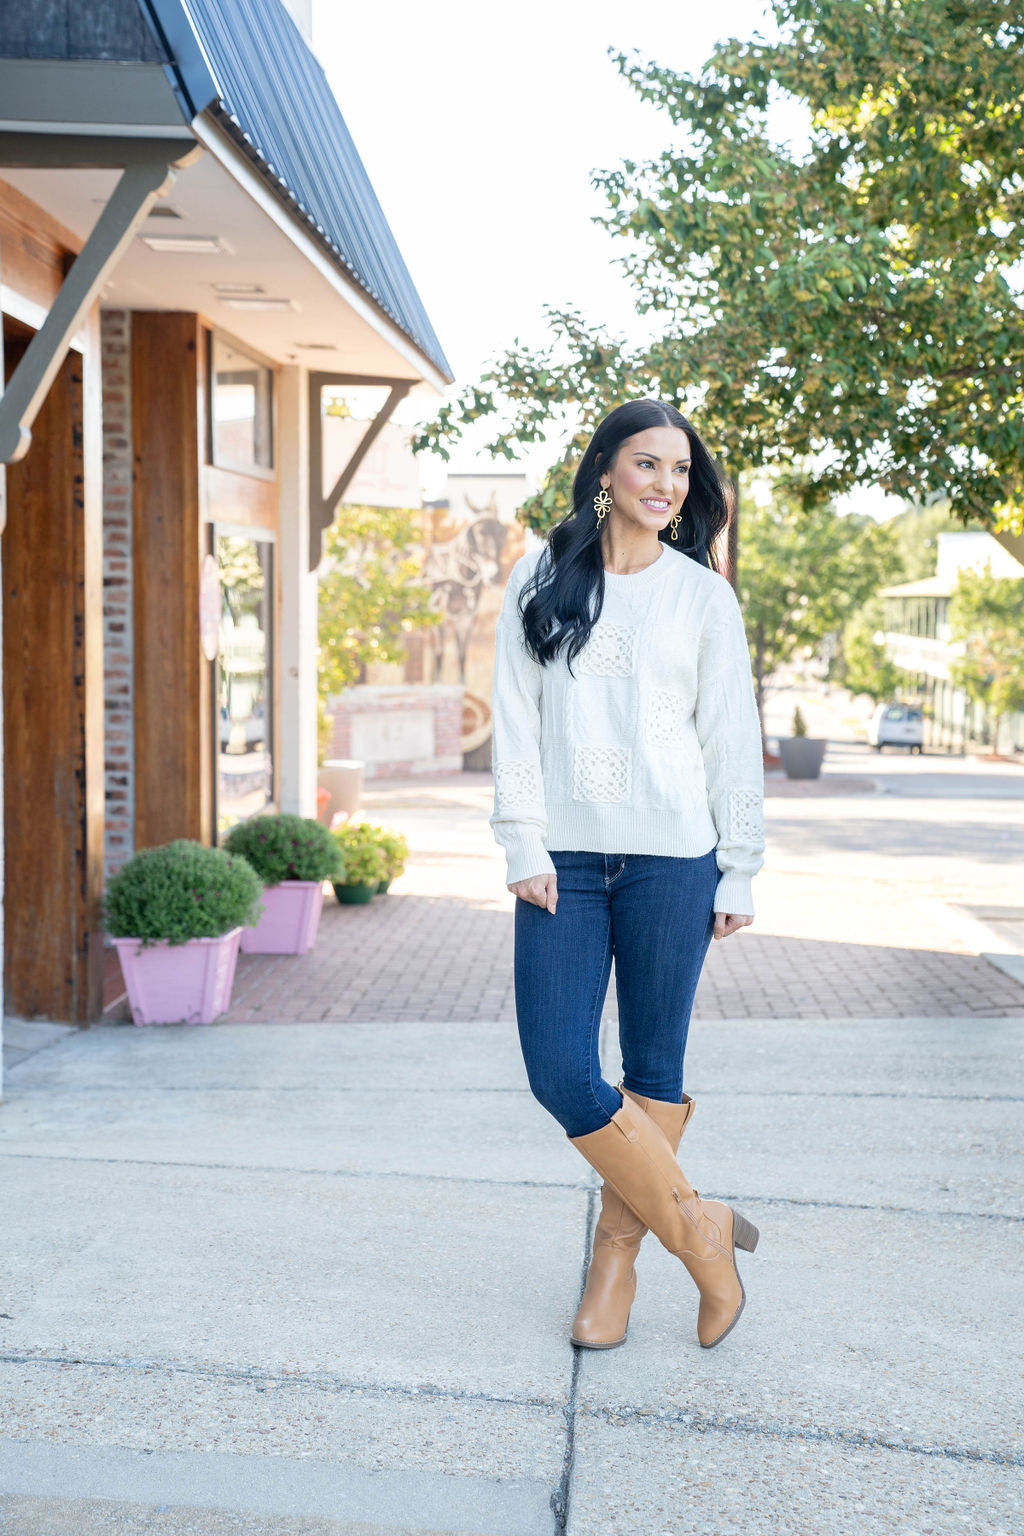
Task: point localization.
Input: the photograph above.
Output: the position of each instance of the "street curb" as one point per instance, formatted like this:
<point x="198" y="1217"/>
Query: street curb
<point x="977" y="935"/>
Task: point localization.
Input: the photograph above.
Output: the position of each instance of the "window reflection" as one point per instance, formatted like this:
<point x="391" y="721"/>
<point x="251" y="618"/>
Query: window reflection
<point x="245" y="673"/>
<point x="242" y="409"/>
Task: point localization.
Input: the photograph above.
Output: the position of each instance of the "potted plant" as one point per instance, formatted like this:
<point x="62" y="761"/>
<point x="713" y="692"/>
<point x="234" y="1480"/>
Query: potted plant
<point x="176" y="914"/>
<point x="394" y="850"/>
<point x="802" y="755"/>
<point x="293" y="856"/>
<point x="362" y="858"/>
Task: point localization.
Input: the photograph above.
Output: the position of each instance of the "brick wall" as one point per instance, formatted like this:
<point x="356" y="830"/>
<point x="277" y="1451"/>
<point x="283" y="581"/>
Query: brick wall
<point x="117" y="589"/>
<point x="378" y="714"/>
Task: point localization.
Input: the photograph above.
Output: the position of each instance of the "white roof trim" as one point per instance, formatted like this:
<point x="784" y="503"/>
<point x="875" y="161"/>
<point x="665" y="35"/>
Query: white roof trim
<point x="241" y="170"/>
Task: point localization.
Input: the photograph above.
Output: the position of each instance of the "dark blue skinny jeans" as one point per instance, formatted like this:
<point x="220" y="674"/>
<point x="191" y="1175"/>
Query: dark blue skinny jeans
<point x="653" y="913"/>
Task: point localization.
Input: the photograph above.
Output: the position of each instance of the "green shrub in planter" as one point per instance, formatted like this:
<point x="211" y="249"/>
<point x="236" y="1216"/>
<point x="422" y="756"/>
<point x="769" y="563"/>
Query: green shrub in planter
<point x="286" y="848"/>
<point x="394" y="849"/>
<point x="181" y="891"/>
<point x="362" y="857"/>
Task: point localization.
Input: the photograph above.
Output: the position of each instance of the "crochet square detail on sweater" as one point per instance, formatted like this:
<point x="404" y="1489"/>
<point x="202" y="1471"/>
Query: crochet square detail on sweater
<point x="601" y="773"/>
<point x="610" y="651"/>
<point x="746" y="817"/>
<point x="664" y="717"/>
<point x="517" y="784"/>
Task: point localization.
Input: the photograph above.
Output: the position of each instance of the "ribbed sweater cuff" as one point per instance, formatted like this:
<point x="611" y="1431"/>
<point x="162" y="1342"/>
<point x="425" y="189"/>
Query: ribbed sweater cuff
<point x="733" y="894"/>
<point x="525" y="854"/>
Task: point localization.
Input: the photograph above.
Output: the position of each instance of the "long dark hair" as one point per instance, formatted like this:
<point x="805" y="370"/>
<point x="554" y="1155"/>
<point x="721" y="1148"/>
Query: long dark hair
<point x="562" y="600"/>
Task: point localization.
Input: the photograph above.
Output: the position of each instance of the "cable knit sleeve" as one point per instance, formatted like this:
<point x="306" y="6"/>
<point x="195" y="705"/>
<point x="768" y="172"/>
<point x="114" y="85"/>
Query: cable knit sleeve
<point x="730" y="739"/>
<point x="519" y="820"/>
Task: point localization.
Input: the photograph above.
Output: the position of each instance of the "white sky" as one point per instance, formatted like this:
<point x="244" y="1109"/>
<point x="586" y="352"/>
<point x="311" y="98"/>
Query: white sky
<point x="479" y="126"/>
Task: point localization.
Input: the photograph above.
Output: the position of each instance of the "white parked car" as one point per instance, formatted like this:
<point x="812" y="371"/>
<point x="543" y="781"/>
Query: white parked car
<point x="897" y="725"/>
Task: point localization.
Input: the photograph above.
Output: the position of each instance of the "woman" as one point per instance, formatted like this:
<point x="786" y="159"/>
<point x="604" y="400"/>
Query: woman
<point x="628" y="786"/>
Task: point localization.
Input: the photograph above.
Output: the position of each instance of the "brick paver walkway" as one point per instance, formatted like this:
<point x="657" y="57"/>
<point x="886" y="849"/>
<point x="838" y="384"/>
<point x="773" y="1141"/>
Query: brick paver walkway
<point x="839" y="934"/>
<point x="409" y="957"/>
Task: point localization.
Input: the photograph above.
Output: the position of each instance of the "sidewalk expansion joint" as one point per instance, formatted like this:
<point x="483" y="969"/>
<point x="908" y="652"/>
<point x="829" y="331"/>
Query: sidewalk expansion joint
<point x="711" y="1423"/>
<point x="856" y="1093"/>
<point x="864" y="1205"/>
<point x="138" y="1091"/>
<point x="287" y="1168"/>
<point x="265" y="1379"/>
<point x="577" y="1188"/>
<point x="701" y="1423"/>
<point x="561" y="1498"/>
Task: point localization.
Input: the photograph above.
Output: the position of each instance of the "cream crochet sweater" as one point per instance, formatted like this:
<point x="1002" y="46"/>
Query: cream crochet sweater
<point x="653" y="746"/>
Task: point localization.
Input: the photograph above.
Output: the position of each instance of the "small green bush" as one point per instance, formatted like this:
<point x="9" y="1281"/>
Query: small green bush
<point x="361" y="854"/>
<point x="799" y="723"/>
<point x="286" y="848"/>
<point x="181" y="891"/>
<point x="395" y="849"/>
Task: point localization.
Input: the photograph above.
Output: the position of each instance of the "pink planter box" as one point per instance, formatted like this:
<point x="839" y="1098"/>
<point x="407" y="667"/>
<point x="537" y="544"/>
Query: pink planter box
<point x="290" y="919"/>
<point x="179" y="983"/>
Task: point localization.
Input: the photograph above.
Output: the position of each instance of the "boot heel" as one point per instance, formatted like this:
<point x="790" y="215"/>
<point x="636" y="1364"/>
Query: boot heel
<point x="744" y="1233"/>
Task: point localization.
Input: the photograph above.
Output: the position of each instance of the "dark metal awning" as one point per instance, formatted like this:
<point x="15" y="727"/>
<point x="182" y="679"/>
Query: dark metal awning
<point x="246" y="63"/>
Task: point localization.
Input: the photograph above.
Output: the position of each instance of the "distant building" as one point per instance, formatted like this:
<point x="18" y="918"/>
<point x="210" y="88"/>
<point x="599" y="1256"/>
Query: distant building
<point x="918" y="637"/>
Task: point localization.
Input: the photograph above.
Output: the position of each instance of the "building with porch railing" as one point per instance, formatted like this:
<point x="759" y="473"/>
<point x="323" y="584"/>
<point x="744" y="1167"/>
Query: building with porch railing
<point x="918" y="639"/>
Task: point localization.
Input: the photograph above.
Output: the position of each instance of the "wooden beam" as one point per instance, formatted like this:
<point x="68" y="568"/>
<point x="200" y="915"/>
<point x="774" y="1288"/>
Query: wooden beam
<point x="147" y="174"/>
<point x="166" y="545"/>
<point x="322" y="509"/>
<point x="53" y="703"/>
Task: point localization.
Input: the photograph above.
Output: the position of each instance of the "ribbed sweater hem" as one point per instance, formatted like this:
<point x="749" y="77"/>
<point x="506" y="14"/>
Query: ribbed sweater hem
<point x="629" y="829"/>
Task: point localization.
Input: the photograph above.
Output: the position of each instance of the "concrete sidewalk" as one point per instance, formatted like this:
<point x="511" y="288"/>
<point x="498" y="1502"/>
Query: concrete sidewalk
<point x="319" y="1278"/>
<point x="311" y="1271"/>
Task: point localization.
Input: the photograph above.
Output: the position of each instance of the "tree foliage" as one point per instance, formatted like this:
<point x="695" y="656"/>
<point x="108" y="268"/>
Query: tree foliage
<point x="804" y="572"/>
<point x="860" y="663"/>
<point x="853" y="305"/>
<point x="369" y="596"/>
<point x="986" y="614"/>
<point x="917" y="537"/>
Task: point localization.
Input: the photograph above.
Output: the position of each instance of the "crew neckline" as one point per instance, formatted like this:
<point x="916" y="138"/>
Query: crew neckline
<point x="638" y="576"/>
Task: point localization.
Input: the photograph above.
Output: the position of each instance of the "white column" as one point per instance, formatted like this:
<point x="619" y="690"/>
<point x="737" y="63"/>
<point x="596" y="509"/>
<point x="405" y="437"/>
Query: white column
<point x="297" y="640"/>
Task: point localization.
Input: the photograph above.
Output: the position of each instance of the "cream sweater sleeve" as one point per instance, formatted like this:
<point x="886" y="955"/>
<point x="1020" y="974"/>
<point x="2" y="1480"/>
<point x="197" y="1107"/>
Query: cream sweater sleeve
<point x="730" y="739"/>
<point x="519" y="820"/>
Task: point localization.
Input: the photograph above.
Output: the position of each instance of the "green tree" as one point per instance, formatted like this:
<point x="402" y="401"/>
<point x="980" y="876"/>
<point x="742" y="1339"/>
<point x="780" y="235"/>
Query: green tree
<point x="986" y="615"/>
<point x="804" y="572"/>
<point x="369" y="595"/>
<point x="917" y="536"/>
<point x="852" y="307"/>
<point x="861" y="664"/>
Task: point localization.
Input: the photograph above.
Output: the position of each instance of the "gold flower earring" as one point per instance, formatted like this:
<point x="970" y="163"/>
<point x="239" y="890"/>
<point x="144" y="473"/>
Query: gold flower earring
<point x="602" y="504"/>
<point x="674" y="524"/>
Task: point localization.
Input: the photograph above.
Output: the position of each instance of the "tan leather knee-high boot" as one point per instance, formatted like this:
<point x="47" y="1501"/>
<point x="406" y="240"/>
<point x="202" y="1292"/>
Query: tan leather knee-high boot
<point x="632" y="1155"/>
<point x="603" y="1316"/>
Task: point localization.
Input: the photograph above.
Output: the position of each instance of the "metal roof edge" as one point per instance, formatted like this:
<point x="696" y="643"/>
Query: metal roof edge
<point x="190" y="71"/>
<point x="236" y="155"/>
<point x="286" y="196"/>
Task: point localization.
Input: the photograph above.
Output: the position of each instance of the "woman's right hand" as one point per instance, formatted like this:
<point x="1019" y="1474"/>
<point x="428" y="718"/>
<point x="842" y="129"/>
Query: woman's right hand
<point x="541" y="890"/>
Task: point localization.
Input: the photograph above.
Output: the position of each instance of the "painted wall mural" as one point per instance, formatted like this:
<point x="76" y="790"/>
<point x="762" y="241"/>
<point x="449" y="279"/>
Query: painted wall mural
<point x="473" y="541"/>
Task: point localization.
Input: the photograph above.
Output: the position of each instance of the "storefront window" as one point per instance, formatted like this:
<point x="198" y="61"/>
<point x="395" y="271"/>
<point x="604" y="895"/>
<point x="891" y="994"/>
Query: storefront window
<point x="245" y="777"/>
<point x="241" y="409"/>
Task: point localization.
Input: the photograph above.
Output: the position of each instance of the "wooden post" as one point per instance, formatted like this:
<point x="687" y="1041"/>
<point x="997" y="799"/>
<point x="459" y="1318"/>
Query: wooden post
<point x="53" y="705"/>
<point x="170" y="737"/>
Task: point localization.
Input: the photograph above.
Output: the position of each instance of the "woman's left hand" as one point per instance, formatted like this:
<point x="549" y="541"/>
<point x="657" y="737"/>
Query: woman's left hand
<point x="728" y="922"/>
